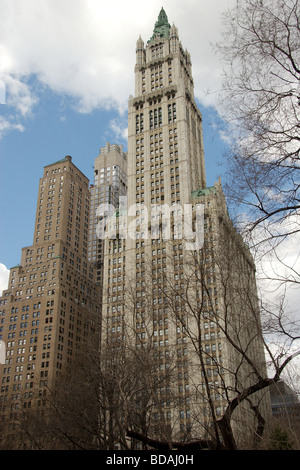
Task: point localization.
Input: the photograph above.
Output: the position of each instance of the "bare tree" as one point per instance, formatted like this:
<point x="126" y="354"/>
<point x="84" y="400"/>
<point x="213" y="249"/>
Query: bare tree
<point x="260" y="100"/>
<point x="216" y="312"/>
<point x="126" y="389"/>
<point x="114" y="384"/>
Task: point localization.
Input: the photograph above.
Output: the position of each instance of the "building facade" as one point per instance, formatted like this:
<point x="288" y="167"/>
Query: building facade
<point x="166" y="284"/>
<point x="110" y="183"/>
<point x="286" y="407"/>
<point x="52" y="298"/>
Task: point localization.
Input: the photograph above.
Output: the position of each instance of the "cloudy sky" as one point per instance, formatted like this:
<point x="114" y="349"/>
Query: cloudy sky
<point x="66" y="72"/>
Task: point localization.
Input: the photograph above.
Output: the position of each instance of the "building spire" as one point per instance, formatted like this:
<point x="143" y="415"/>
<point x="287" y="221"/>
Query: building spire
<point x="162" y="26"/>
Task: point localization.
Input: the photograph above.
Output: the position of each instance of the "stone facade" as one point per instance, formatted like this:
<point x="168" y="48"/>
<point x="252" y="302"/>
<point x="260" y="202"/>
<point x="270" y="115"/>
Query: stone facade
<point x="166" y="294"/>
<point x="51" y="298"/>
<point x="110" y="183"/>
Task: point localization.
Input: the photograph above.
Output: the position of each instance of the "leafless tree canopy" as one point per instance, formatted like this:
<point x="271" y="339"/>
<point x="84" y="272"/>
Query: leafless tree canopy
<point x="260" y="100"/>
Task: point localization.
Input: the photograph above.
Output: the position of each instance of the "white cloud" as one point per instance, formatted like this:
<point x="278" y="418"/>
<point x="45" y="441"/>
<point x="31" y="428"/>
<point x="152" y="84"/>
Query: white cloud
<point x="17" y="100"/>
<point x="2" y="92"/>
<point x="8" y="124"/>
<point x="4" y="275"/>
<point x="119" y="128"/>
<point x="19" y="95"/>
<point x="86" y="49"/>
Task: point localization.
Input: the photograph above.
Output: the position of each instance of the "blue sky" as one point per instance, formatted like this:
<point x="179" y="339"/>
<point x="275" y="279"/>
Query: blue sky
<point x="49" y="137"/>
<point x="67" y="69"/>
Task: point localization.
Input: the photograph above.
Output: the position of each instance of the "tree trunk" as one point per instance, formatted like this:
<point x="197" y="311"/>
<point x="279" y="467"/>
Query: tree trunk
<point x="227" y="434"/>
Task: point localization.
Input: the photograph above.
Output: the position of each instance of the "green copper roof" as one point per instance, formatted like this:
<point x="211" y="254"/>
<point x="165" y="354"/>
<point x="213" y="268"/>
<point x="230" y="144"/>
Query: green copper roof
<point x="162" y="26"/>
<point x="59" y="161"/>
<point x="203" y="191"/>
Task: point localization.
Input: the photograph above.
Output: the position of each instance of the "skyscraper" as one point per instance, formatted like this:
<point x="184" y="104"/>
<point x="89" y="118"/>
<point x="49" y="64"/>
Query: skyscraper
<point x="187" y="291"/>
<point x="110" y="183"/>
<point x="52" y="297"/>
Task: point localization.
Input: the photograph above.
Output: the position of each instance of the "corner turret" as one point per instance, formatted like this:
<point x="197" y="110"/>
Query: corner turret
<point x="174" y="40"/>
<point x="140" y="52"/>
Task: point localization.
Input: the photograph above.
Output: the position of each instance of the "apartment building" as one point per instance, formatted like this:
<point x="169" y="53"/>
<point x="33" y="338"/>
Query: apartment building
<point x="110" y="184"/>
<point x="52" y="300"/>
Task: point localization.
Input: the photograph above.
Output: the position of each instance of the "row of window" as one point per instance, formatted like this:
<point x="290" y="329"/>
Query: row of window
<point x="155" y="118"/>
<point x="157" y="78"/>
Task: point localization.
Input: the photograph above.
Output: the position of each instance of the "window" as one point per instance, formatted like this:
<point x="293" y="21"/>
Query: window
<point x="155" y="118"/>
<point x="139" y="123"/>
<point x="172" y="113"/>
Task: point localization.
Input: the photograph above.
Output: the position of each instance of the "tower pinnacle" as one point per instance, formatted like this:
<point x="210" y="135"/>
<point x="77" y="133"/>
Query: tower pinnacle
<point x="162" y="26"/>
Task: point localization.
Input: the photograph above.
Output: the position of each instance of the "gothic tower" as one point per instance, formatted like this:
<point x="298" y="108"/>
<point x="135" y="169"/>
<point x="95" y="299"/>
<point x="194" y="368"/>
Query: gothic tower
<point x="160" y="293"/>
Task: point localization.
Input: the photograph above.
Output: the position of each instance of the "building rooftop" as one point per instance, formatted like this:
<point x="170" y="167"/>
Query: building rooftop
<point x="162" y="26"/>
<point x="203" y="192"/>
<point x="67" y="158"/>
